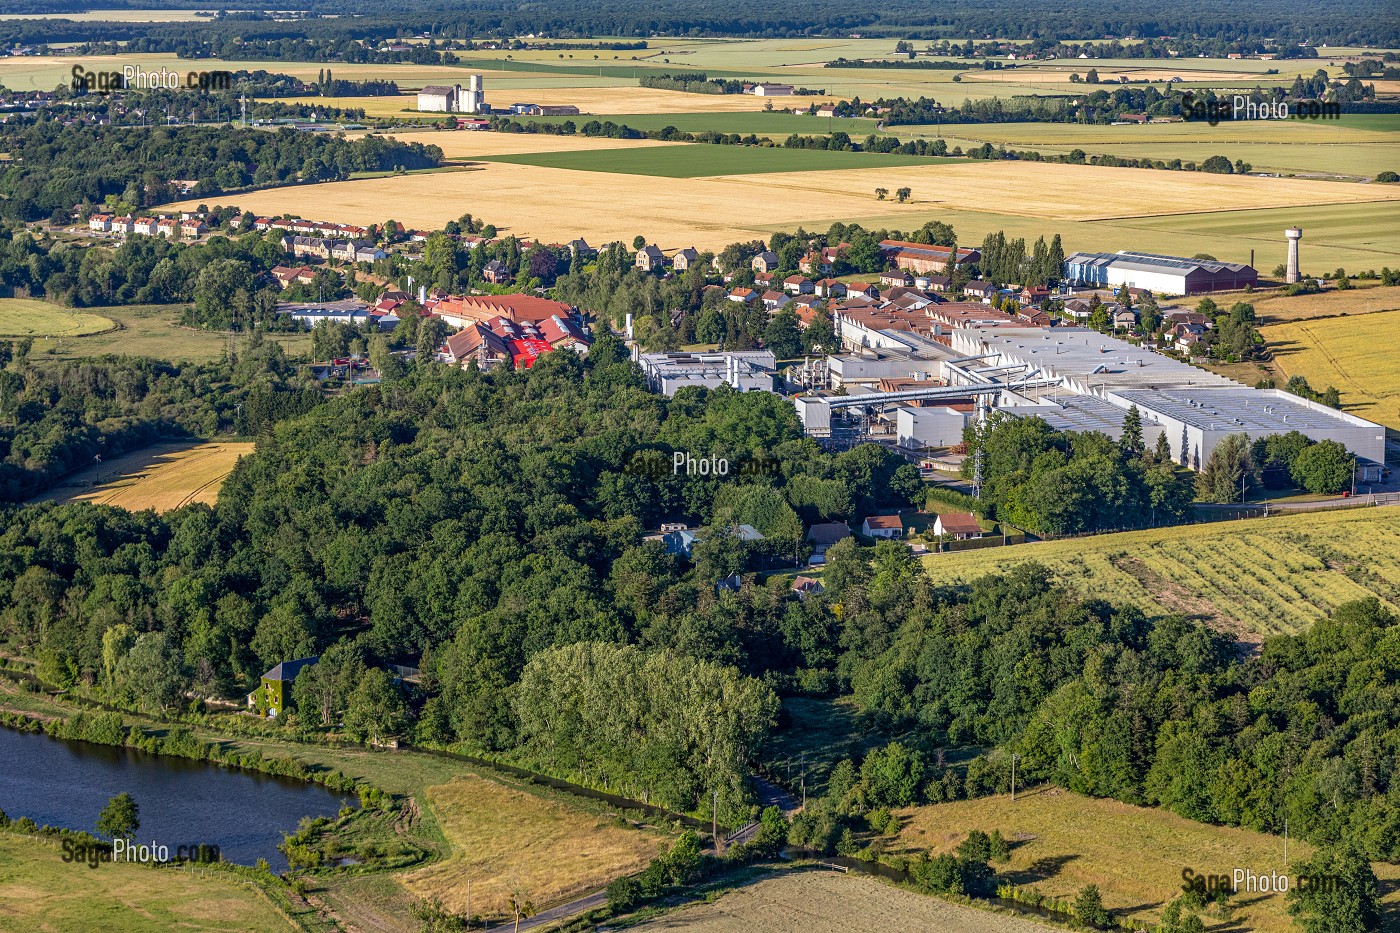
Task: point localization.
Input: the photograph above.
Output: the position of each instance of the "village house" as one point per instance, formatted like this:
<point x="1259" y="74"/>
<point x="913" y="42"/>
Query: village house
<point x="807" y="586"/>
<point x="144" y="226"/>
<point x="276" y="686"/>
<point x="766" y="261"/>
<point x="123" y="225"/>
<point x="368" y="252"/>
<point x="830" y="288"/>
<point x="799" y="285"/>
<point x="862" y="288"/>
<point x="743" y="295"/>
<point x="1034" y="296"/>
<point x="495" y="272"/>
<point x="287" y="276"/>
<point x="100" y="223"/>
<point x="824" y="534"/>
<point x="684" y="258"/>
<point x="814" y="264"/>
<point x="193" y="228"/>
<point x="980" y="290"/>
<point x="773" y="300"/>
<point x="957" y="526"/>
<point x="882" y="526"/>
<point x="167" y="228"/>
<point x="896" y="278"/>
<point x="651" y="259"/>
<point x="934" y="283"/>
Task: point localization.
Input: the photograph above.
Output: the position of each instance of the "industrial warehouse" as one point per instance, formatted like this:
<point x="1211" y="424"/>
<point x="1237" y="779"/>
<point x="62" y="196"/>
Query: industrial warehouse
<point x="1161" y="275"/>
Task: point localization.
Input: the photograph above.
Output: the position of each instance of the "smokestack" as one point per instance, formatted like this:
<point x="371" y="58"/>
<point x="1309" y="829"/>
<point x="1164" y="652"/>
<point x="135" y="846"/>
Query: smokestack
<point x="1294" y="234"/>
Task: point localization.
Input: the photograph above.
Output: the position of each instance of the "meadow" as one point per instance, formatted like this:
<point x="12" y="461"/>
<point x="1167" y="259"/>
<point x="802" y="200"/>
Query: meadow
<point x="155" y="331"/>
<point x="161" y="477"/>
<point x="818" y="900"/>
<point x="505" y="841"/>
<point x="1342" y="351"/>
<point x="1364" y="298"/>
<point x="687" y="160"/>
<point x="775" y="124"/>
<point x="1253" y="578"/>
<point x="29" y="317"/>
<point x="40" y="893"/>
<point x="1061" y="842"/>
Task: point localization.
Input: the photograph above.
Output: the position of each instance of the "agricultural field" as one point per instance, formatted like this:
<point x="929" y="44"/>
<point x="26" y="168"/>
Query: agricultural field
<point x="117" y="16"/>
<point x="1061" y="842"/>
<point x="710" y="212"/>
<point x="1365" y="298"/>
<point x="1343" y="351"/>
<point x="29" y="317"/>
<point x="1253" y="578"/>
<point x="40" y="893"/>
<point x="155" y="331"/>
<point x="823" y="901"/>
<point x="776" y="124"/>
<point x="687" y="160"/>
<point x="506" y="841"/>
<point x="162" y="477"/>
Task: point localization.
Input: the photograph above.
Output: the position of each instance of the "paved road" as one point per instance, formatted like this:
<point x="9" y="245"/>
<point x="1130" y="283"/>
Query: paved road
<point x="562" y="912"/>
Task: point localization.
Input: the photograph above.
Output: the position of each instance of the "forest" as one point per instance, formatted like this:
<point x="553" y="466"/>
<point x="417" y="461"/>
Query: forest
<point x="1365" y="23"/>
<point x="53" y="167"/>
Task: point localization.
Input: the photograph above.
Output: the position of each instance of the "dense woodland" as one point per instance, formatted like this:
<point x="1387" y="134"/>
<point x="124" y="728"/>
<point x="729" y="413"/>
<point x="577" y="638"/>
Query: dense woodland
<point x="53" y="167"/>
<point x="1248" y="24"/>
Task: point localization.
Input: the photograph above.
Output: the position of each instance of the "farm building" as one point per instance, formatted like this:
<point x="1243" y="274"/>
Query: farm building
<point x="1162" y="275"/>
<point x="923" y="258"/>
<point x="442" y="98"/>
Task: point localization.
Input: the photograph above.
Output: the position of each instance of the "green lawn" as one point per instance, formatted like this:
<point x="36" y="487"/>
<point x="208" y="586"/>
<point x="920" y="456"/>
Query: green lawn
<point x="154" y="330"/>
<point x="694" y="161"/>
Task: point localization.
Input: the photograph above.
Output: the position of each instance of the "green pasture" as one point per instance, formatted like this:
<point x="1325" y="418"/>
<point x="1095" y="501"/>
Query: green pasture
<point x="695" y="161"/>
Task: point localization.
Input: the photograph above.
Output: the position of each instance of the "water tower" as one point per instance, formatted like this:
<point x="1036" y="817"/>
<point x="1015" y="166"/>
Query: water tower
<point x="1294" y="234"/>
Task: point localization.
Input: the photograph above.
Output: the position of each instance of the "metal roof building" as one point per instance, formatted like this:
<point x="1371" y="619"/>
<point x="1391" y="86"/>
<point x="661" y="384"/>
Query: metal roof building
<point x="1162" y="275"/>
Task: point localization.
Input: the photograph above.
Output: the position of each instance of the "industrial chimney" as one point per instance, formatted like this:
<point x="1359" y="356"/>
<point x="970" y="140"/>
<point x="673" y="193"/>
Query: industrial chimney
<point x="1294" y="234"/>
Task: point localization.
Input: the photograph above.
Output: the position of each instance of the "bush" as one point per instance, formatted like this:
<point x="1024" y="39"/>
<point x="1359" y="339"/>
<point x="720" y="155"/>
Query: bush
<point x="1088" y="907"/>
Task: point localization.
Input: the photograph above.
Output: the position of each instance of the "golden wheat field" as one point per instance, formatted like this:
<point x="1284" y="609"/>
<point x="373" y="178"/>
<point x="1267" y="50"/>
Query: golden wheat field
<point x="1062" y="841"/>
<point x="162" y="477"/>
<point x="558" y="204"/>
<point x="1353" y="353"/>
<point x="1253" y="578"/>
<point x="505" y="841"/>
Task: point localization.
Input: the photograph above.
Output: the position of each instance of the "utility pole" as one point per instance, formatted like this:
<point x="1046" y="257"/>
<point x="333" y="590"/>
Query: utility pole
<point x="1285" y="843"/>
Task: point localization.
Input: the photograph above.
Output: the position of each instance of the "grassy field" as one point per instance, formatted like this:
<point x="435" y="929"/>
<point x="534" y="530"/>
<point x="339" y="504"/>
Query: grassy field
<point x="1366" y="298"/>
<point x="685" y="160"/>
<point x="162" y="477"/>
<point x="153" y="330"/>
<point x="505" y="840"/>
<point x="777" y="124"/>
<point x="29" y="317"/>
<point x="1253" y="577"/>
<point x="40" y="893"/>
<point x="1061" y="842"/>
<point x="1342" y="351"/>
<point x="823" y="901"/>
<point x="710" y="212"/>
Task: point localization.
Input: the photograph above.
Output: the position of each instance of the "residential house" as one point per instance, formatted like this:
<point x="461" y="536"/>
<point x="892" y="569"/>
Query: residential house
<point x="287" y="276"/>
<point x="193" y="229"/>
<point x="100" y="223"/>
<point x="957" y="526"/>
<point x="123" y="225"/>
<point x="934" y="283"/>
<point x="814" y="264"/>
<point x="684" y="258"/>
<point x="743" y="295"/>
<point x="651" y="259"/>
<point x="368" y="252"/>
<point x="167" y="228"/>
<point x="1125" y="318"/>
<point x="830" y="288"/>
<point x="980" y="290"/>
<point x="763" y="280"/>
<point x="896" y="278"/>
<point x="824" y="534"/>
<point x="276" y="685"/>
<point x="799" y="285"/>
<point x="496" y="272"/>
<point x="807" y="586"/>
<point x="862" y="288"/>
<point x="581" y="249"/>
<point x="882" y="526"/>
<point x="1034" y="317"/>
<point x="766" y="261"/>
<point x="773" y="300"/>
<point x="144" y="226"/>
<point x="1034" y="296"/>
<point x="826" y="111"/>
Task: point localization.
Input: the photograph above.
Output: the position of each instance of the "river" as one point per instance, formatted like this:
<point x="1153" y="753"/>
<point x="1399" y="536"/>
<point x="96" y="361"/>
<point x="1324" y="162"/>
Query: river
<point x="181" y="802"/>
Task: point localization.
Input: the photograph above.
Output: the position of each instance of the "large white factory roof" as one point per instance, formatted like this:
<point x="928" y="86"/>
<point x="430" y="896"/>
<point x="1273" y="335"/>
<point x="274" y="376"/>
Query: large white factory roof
<point x="1087" y="359"/>
<point x="1242" y="409"/>
<point x="1075" y="413"/>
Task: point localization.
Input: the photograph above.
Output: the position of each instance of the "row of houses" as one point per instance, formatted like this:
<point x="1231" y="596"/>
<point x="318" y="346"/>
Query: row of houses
<point x="188" y="227"/>
<point x="313" y="247"/>
<point x="321" y="228"/>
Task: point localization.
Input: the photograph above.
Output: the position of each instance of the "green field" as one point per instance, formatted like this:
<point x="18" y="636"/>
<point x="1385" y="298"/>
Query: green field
<point x="28" y="317"/>
<point x="153" y="330"/>
<point x="41" y="892"/>
<point x="691" y="161"/>
<point x="1254" y="577"/>
<point x="775" y="124"/>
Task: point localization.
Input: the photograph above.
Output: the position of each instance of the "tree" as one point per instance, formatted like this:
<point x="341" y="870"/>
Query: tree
<point x="1346" y="900"/>
<point x="784" y="335"/>
<point x="120" y="819"/>
<point x="902" y="194"/>
<point x="1324" y="468"/>
<point x="1228" y="471"/>
<point x="1088" y="907"/>
<point x="1130" y="441"/>
<point x="880" y="193"/>
<point x="376" y="711"/>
